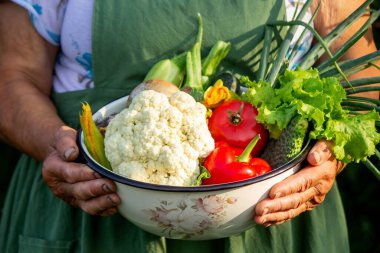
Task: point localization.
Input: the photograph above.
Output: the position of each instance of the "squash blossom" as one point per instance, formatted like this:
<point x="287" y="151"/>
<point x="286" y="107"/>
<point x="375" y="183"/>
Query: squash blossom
<point x="93" y="139"/>
<point x="215" y="95"/>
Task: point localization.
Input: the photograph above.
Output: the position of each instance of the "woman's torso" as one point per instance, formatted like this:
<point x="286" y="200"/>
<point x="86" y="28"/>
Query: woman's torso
<point x="68" y="24"/>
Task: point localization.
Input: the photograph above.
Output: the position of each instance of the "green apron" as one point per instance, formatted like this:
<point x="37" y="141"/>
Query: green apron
<point x="8" y="159"/>
<point x="128" y="37"/>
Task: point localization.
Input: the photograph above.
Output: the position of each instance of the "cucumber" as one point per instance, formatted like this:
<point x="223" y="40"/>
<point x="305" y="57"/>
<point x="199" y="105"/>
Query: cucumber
<point x="288" y="145"/>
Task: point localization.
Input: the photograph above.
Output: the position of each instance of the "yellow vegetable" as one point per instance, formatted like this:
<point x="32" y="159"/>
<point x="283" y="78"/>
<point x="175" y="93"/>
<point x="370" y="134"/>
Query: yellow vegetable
<point x="93" y="139"/>
<point x="216" y="94"/>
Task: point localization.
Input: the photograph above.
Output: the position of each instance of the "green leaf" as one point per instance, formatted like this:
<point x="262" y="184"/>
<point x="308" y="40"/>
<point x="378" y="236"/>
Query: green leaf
<point x="355" y="138"/>
<point x="318" y="100"/>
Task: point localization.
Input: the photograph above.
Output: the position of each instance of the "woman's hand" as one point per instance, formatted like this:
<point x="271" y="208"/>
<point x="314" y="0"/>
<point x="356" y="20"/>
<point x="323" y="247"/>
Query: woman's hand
<point x="76" y="183"/>
<point x="302" y="191"/>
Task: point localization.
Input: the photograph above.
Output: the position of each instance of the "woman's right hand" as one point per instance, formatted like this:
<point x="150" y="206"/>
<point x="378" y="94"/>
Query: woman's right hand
<point x="76" y="183"/>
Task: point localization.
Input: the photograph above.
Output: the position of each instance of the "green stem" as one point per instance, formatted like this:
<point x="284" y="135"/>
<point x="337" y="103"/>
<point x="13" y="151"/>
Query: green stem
<point x="377" y="153"/>
<point x="359" y="34"/>
<point x="372" y="168"/>
<point x="316" y="36"/>
<point x="279" y="61"/>
<point x="317" y="51"/>
<point x="362" y="89"/>
<point x="217" y="53"/>
<point x="194" y="62"/>
<point x="362" y="81"/>
<point x="295" y="49"/>
<point x="353" y="66"/>
<point x="364" y="99"/>
<point x="261" y="73"/>
<point x="360" y="105"/>
<point x="374" y="65"/>
<point x="355" y="110"/>
<point x="244" y="157"/>
<point x="200" y="30"/>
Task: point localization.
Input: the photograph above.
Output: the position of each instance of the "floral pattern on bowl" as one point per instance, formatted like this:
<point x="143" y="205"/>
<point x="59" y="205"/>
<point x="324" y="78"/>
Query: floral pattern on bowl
<point x="190" y="217"/>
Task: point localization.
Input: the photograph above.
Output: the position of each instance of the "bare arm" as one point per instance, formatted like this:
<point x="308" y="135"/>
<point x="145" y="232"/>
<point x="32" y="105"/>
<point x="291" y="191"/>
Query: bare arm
<point x="28" y="118"/>
<point x="331" y="14"/>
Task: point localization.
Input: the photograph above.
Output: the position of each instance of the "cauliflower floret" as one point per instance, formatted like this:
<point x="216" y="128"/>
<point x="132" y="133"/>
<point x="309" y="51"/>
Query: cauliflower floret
<point x="159" y="139"/>
<point x="182" y="101"/>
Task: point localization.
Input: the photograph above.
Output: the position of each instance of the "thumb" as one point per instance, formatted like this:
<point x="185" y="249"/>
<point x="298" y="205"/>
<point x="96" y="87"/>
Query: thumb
<point x="320" y="153"/>
<point x="65" y="143"/>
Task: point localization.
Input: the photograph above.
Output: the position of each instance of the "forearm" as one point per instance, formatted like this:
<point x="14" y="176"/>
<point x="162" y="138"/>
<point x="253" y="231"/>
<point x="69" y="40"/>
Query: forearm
<point x="364" y="46"/>
<point x="331" y="14"/>
<point x="28" y="118"/>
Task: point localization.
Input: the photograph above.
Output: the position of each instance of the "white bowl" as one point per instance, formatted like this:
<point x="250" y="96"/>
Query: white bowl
<point x="190" y="213"/>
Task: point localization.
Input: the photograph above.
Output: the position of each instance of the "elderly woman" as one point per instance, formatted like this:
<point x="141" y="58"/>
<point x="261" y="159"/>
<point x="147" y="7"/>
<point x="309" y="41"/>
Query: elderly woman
<point x="55" y="54"/>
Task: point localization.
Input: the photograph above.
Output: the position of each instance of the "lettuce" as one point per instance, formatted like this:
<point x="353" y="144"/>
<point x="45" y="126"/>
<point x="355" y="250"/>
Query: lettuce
<point x="303" y="92"/>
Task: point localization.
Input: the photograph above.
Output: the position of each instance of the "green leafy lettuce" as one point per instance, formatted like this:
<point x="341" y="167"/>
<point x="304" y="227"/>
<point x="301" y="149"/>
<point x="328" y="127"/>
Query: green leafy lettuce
<point x="303" y="92"/>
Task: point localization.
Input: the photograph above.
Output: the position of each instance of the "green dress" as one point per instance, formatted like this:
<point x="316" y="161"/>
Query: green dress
<point x="8" y="160"/>
<point x="128" y="37"/>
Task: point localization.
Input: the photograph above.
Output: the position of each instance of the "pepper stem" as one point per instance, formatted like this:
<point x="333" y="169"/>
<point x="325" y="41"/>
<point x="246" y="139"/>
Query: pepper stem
<point x="244" y="157"/>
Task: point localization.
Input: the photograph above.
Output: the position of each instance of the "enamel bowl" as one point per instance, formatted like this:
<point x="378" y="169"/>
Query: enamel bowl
<point x="190" y="213"/>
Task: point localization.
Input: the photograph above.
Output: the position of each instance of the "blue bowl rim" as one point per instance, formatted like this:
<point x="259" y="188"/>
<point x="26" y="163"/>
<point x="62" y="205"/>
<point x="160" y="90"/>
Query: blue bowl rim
<point x="202" y="188"/>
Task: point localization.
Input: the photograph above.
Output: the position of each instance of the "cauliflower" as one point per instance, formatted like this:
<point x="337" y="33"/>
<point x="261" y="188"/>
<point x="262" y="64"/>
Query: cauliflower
<point x="159" y="139"/>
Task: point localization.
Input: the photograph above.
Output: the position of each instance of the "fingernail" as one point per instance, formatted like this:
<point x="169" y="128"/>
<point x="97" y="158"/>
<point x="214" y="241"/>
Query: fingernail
<point x="265" y="211"/>
<point x="277" y="195"/>
<point x="97" y="175"/>
<point x="106" y="188"/>
<point x="111" y="200"/>
<point x="68" y="153"/>
<point x="263" y="221"/>
<point x="317" y="157"/>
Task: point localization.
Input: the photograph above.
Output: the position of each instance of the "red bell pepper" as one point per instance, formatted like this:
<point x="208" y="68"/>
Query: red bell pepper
<point x="229" y="164"/>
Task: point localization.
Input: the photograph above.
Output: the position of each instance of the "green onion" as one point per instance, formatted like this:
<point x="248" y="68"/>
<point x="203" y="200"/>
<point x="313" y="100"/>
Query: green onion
<point x="279" y="61"/>
<point x="372" y="168"/>
<point x="359" y="34"/>
<point x="318" y="50"/>
<point x="263" y="67"/>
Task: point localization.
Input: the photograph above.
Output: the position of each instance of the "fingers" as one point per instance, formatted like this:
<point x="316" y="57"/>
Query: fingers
<point x="298" y="193"/>
<point x="104" y="205"/>
<point x="286" y="203"/>
<point x="280" y="217"/>
<point x="55" y="168"/>
<point x="80" y="186"/>
<point x="65" y="143"/>
<point x="96" y="197"/>
<point x="304" y="179"/>
<point x="87" y="189"/>
<point x="320" y="153"/>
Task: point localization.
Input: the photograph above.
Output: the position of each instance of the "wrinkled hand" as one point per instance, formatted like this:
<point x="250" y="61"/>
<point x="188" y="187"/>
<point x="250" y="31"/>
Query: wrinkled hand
<point x="302" y="191"/>
<point x="76" y="183"/>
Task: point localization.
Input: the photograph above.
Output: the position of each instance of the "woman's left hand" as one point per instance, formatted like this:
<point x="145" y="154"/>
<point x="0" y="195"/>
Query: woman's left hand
<point x="302" y="191"/>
